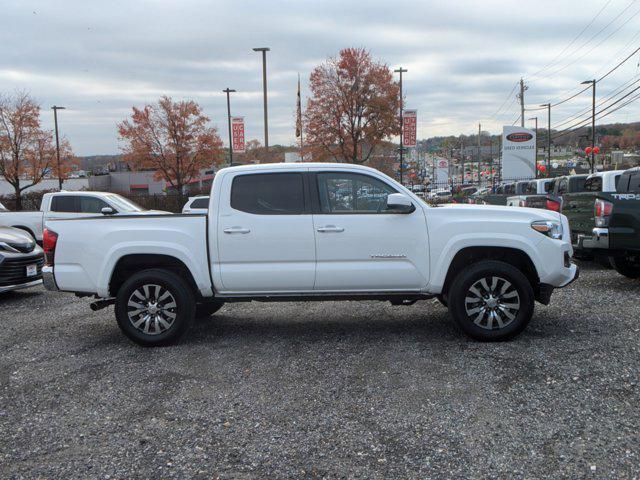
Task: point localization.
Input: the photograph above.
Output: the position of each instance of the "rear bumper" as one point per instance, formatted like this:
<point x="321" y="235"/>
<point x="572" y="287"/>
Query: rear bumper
<point x="48" y="279"/>
<point x="8" y="288"/>
<point x="599" y="239"/>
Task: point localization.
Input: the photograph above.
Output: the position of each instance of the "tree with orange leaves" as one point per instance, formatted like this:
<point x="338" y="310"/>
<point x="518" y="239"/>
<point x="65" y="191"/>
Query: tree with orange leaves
<point x="27" y="153"/>
<point x="353" y="107"/>
<point x="174" y="138"/>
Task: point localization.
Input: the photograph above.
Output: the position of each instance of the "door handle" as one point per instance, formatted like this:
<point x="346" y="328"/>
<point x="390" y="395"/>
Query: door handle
<point x="330" y="228"/>
<point x="236" y="230"/>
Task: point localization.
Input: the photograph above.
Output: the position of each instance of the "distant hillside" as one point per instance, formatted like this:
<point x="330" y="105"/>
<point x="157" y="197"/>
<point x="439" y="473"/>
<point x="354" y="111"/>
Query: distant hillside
<point x="96" y="162"/>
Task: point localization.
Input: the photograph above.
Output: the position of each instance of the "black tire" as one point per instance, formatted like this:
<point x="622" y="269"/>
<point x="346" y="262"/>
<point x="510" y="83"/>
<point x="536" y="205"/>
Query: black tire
<point x="207" y="309"/>
<point x="491" y="317"/>
<point x="178" y="317"/>
<point x="626" y="266"/>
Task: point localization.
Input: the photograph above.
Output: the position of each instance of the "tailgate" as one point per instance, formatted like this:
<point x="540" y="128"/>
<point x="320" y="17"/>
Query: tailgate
<point x="624" y="225"/>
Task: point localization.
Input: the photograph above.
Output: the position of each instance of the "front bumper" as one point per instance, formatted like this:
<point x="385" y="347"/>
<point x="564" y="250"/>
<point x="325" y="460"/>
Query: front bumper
<point x="545" y="290"/>
<point x="19" y="286"/>
<point x="48" y="279"/>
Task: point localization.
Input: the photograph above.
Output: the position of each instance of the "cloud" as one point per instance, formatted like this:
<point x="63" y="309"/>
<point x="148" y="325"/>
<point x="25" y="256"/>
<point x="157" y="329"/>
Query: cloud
<point x="463" y="57"/>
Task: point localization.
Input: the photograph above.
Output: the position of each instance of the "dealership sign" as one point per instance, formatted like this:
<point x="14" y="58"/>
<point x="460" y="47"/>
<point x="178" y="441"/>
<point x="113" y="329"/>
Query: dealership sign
<point x="409" y="128"/>
<point x="518" y="153"/>
<point x="441" y="169"/>
<point x="237" y="134"/>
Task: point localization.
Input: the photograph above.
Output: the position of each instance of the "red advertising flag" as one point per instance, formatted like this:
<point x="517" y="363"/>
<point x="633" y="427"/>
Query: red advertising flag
<point x="237" y="134"/>
<point x="409" y="128"/>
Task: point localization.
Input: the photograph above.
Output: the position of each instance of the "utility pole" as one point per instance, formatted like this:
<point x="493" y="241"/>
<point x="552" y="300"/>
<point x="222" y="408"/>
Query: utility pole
<point x="548" y="107"/>
<point x="536" y="119"/>
<point x="593" y="122"/>
<point x="264" y="51"/>
<point x="523" y="87"/>
<point x="228" y="91"/>
<point x="55" y="122"/>
<point x="401" y="71"/>
<point x="462" y="156"/>
<point x="479" y="152"/>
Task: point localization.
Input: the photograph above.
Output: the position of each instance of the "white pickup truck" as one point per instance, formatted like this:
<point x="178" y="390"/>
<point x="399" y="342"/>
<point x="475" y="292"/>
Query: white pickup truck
<point x="293" y="232"/>
<point x="63" y="204"/>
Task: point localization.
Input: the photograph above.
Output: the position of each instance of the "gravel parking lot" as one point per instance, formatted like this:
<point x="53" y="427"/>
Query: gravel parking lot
<point x="351" y="389"/>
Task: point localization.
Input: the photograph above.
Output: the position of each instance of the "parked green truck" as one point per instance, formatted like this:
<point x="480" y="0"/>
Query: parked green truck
<point x="605" y="219"/>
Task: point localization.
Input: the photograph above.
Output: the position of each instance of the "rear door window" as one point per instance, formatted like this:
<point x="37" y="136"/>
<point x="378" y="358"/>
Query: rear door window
<point x="268" y="194"/>
<point x="634" y="183"/>
<point x="562" y="186"/>
<point x="200" y="203"/>
<point x="593" y="184"/>
<point x="65" y="203"/>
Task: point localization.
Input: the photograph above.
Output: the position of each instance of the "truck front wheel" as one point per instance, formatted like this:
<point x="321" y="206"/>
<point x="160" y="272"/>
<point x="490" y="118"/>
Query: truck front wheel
<point x="491" y="301"/>
<point x="627" y="266"/>
<point x="154" y="307"/>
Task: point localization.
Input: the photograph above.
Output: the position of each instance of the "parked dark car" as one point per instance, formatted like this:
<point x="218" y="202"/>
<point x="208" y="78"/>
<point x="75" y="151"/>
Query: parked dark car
<point x="21" y="260"/>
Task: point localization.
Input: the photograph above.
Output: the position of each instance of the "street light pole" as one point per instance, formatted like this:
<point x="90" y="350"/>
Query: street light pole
<point x="593" y="122"/>
<point x="401" y="71"/>
<point x="548" y="106"/>
<point x="536" y="119"/>
<point x="228" y="91"/>
<point x="55" y="122"/>
<point x="264" y="51"/>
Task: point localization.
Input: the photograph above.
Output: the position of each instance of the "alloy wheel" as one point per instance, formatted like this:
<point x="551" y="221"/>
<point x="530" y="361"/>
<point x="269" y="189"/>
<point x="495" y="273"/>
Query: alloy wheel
<point x="492" y="302"/>
<point x="152" y="309"/>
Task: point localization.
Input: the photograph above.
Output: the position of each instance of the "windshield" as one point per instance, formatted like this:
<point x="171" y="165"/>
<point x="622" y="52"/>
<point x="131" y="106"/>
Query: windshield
<point x="124" y="204"/>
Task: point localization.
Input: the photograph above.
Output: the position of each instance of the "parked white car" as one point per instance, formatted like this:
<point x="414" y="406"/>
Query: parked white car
<point x="534" y="193"/>
<point x="197" y="205"/>
<point x="61" y="205"/>
<point x="439" y="193"/>
<point x="313" y="231"/>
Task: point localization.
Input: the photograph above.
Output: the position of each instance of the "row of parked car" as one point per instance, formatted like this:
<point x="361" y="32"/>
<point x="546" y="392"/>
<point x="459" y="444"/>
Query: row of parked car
<point x="603" y="210"/>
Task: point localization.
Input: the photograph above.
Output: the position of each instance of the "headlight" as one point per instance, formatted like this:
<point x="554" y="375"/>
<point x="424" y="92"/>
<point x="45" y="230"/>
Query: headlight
<point x="549" y="228"/>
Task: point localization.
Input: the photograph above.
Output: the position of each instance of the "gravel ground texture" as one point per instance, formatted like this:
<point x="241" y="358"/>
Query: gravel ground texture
<point x="324" y="390"/>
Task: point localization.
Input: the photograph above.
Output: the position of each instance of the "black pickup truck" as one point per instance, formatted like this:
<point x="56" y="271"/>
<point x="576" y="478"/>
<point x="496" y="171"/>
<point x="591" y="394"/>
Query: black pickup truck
<point x="607" y="224"/>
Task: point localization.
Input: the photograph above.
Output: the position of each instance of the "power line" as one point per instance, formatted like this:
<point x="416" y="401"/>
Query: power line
<point x="595" y="46"/>
<point x="599" y="115"/>
<point x="555" y="72"/>
<point x="611" y="95"/>
<point x="545" y="67"/>
<point x="619" y="65"/>
<point x="505" y="101"/>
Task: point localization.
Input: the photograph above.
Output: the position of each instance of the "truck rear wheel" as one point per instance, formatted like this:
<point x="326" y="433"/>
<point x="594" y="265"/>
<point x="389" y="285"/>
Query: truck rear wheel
<point x="154" y="307"/>
<point x="627" y="266"/>
<point x="491" y="301"/>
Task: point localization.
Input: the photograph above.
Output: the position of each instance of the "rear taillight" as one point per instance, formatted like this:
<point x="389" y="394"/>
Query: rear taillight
<point x="553" y="205"/>
<point x="522" y="203"/>
<point x="602" y="210"/>
<point x="49" y="241"/>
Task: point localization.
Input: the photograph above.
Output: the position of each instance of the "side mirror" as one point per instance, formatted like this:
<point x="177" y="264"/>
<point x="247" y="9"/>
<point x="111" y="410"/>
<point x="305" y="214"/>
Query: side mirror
<point x="400" y="203"/>
<point x="107" y="211"/>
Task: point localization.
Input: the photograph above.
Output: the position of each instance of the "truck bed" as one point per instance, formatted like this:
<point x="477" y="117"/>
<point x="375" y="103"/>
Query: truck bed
<point x="90" y="247"/>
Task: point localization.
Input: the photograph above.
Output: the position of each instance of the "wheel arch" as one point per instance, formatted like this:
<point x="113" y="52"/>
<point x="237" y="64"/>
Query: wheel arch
<point x="513" y="256"/>
<point x="129" y="264"/>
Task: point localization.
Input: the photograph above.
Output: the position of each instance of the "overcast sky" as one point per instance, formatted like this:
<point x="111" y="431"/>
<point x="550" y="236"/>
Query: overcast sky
<point x="464" y="57"/>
